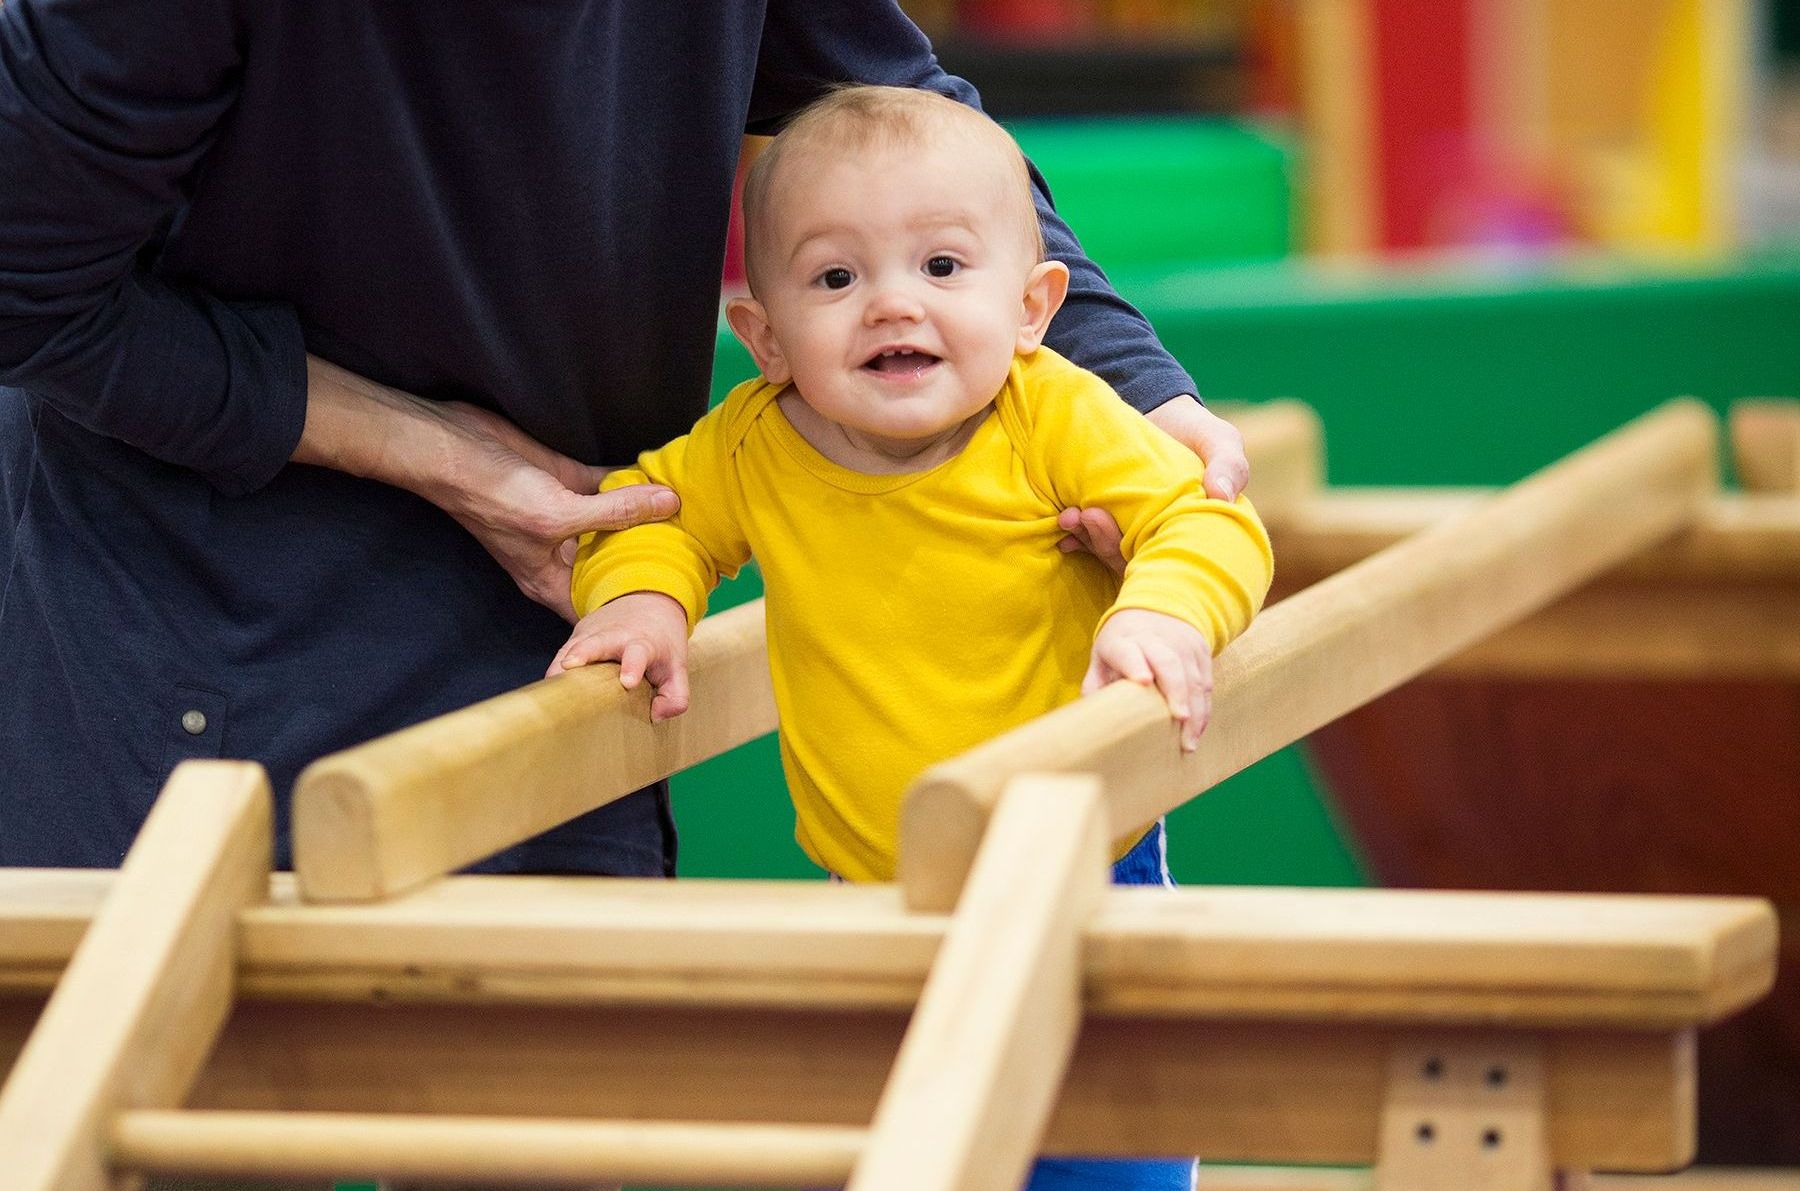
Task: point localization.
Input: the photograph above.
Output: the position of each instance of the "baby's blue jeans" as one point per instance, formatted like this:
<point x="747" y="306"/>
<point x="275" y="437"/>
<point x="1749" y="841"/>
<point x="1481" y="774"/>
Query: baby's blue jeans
<point x="1146" y="864"/>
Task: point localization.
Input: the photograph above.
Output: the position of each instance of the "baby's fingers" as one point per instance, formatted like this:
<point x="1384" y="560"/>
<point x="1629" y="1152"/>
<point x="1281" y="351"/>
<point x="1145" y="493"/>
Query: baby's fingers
<point x="634" y="659"/>
<point x="575" y="653"/>
<point x="1098" y="675"/>
<point x="1128" y="662"/>
<point x="1171" y="679"/>
<point x="671" y="681"/>
<point x="1199" y="704"/>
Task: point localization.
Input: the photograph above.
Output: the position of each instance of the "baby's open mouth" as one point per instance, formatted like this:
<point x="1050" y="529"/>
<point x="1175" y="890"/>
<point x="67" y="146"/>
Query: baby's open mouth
<point x="900" y="361"/>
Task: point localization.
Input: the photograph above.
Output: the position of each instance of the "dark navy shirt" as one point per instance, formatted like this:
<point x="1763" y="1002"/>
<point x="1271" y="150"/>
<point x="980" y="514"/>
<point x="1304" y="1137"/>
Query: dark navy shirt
<point x="518" y="203"/>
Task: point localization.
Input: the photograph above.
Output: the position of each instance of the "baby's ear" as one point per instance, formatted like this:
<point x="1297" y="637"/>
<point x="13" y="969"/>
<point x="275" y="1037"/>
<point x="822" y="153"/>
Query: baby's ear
<point x="1045" y="288"/>
<point x="750" y="323"/>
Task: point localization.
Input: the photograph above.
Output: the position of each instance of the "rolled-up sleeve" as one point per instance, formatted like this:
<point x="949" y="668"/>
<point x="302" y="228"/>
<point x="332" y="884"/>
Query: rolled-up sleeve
<point x="107" y="109"/>
<point x="810" y="45"/>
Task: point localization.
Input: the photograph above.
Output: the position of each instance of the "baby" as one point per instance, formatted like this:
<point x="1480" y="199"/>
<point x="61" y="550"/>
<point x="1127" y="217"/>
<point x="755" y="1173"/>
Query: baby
<point x="898" y="471"/>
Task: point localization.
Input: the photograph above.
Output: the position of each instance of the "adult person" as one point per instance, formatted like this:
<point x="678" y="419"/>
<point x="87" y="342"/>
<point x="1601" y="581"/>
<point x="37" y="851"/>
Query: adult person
<point x="454" y="259"/>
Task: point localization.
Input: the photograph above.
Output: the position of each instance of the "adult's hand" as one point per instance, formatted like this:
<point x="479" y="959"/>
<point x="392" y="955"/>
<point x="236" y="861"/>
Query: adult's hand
<point x="1209" y="436"/>
<point x="1217" y="442"/>
<point x="524" y="503"/>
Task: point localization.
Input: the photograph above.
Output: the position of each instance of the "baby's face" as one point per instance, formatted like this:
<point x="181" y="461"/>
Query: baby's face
<point x="894" y="283"/>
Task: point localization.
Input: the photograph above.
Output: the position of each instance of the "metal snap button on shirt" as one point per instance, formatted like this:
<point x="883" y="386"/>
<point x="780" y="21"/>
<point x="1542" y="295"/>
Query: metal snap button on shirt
<point x="193" y="722"/>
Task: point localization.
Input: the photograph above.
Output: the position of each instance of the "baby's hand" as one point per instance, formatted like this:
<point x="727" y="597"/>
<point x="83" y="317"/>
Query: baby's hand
<point x="1151" y="648"/>
<point x="646" y="633"/>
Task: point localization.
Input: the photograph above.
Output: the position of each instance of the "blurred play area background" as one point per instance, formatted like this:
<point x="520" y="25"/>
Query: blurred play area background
<point x="1473" y="235"/>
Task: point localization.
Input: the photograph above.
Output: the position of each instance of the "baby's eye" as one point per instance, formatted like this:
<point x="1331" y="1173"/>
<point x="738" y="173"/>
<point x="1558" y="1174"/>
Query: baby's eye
<point x="835" y="278"/>
<point x="941" y="266"/>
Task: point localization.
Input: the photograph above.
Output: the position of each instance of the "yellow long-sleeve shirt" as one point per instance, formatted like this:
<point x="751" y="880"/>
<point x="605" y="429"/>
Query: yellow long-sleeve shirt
<point x="911" y="617"/>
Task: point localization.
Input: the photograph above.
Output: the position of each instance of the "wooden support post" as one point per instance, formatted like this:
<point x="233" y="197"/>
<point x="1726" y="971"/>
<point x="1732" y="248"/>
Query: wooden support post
<point x="482" y="1149"/>
<point x="1765" y="445"/>
<point x="1336" y="645"/>
<point x="984" y="1056"/>
<point x="1286" y="446"/>
<point x="1466" y="1110"/>
<point x="144" y="997"/>
<point x="387" y="815"/>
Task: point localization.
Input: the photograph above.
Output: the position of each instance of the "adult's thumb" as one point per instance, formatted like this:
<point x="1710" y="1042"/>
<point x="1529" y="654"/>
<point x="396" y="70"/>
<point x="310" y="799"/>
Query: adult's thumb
<point x="624" y="507"/>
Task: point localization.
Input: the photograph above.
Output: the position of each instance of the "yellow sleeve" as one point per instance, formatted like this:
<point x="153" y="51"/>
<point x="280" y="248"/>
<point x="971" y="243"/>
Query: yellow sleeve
<point x="1205" y="561"/>
<point x="685" y="556"/>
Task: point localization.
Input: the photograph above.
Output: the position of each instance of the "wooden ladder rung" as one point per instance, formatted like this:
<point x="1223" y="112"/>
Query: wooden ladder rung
<point x="481" y="1149"/>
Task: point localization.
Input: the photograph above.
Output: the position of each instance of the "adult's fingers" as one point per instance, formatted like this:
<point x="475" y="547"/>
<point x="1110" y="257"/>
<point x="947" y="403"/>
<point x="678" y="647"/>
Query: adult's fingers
<point x="556" y="597"/>
<point x="1221" y="445"/>
<point x="548" y="584"/>
<point x="1217" y="442"/>
<point x="1226" y="476"/>
<point x="1095" y="531"/>
<point x="619" y="509"/>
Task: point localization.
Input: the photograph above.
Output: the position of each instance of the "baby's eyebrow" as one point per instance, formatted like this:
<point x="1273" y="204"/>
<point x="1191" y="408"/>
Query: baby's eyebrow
<point x="932" y="220"/>
<point x="813" y="234"/>
<point x="927" y="221"/>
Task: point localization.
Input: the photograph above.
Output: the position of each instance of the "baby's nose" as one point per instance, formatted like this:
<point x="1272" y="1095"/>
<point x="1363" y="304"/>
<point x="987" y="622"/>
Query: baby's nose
<point x="892" y="301"/>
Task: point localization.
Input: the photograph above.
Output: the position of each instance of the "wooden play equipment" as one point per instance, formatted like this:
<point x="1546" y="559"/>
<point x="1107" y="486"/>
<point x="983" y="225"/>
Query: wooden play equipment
<point x="371" y="1016"/>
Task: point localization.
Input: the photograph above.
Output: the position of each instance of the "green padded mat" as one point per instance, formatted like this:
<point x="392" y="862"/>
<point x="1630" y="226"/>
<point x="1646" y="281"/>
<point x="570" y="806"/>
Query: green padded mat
<point x="1164" y="192"/>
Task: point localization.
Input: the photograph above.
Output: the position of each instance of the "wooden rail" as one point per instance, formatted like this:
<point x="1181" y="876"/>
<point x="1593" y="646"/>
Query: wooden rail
<point x="1307" y="955"/>
<point x="1338" y="644"/>
<point x="1715" y="601"/>
<point x="385" y="816"/>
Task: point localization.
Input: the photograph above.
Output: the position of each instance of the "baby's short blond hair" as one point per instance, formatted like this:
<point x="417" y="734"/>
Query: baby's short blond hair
<point x="862" y="116"/>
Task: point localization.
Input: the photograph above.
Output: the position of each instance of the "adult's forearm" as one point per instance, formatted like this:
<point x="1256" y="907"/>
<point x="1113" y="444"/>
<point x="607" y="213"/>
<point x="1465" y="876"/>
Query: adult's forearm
<point x="185" y="377"/>
<point x="106" y="111"/>
<point x="367" y="429"/>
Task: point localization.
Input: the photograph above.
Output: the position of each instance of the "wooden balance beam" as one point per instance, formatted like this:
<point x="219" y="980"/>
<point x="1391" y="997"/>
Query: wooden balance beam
<point x="1715" y="601"/>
